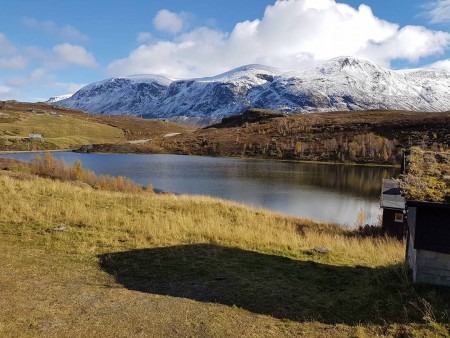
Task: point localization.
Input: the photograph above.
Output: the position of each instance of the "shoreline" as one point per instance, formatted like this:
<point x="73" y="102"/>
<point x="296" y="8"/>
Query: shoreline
<point x="3" y="152"/>
<point x="6" y="152"/>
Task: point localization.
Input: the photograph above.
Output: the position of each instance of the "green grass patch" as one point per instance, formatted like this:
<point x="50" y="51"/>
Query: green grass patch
<point x="59" y="132"/>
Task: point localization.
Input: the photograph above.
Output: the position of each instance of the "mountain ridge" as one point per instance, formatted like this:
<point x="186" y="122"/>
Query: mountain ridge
<point x="343" y="83"/>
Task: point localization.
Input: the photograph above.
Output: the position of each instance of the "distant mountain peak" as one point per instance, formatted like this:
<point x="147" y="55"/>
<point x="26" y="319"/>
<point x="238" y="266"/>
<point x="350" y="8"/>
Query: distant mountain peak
<point x="349" y="61"/>
<point x="240" y="72"/>
<point x="58" y="98"/>
<point x="343" y="83"/>
<point x="348" y="64"/>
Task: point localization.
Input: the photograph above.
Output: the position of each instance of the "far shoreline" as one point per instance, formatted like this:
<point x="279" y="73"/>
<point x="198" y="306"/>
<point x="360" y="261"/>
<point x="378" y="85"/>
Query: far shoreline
<point x="5" y="152"/>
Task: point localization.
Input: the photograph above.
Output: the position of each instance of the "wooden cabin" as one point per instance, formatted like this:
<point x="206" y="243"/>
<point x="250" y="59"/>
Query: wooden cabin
<point x="427" y="192"/>
<point x="428" y="246"/>
<point x="393" y="204"/>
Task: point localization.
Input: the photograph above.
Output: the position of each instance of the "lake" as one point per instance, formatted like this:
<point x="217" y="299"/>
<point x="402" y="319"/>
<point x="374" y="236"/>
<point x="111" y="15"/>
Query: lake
<point x="324" y="192"/>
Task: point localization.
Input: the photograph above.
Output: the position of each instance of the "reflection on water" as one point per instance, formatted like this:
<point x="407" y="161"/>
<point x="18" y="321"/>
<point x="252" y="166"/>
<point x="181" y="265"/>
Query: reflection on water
<point x="334" y="193"/>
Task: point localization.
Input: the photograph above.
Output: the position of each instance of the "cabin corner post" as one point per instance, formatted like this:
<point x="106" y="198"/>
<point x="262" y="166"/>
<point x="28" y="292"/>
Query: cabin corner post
<point x="411" y="250"/>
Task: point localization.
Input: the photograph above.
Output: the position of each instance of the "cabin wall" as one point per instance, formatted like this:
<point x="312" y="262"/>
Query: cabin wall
<point x="390" y="226"/>
<point x="433" y="267"/>
<point x="433" y="227"/>
<point x="428" y="267"/>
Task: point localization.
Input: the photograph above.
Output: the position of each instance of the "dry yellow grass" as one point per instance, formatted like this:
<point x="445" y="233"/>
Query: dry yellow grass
<point x="100" y="219"/>
<point x="146" y="265"/>
<point x="63" y="132"/>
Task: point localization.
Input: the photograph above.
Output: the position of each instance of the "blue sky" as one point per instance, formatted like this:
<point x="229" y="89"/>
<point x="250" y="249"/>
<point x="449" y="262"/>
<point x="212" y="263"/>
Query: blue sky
<point x="50" y="47"/>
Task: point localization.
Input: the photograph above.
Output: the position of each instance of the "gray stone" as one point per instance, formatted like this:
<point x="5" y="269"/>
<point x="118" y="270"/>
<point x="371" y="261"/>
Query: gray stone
<point x="322" y="250"/>
<point x="61" y="229"/>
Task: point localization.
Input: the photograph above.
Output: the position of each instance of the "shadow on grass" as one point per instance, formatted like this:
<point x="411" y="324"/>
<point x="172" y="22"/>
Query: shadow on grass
<point x="267" y="284"/>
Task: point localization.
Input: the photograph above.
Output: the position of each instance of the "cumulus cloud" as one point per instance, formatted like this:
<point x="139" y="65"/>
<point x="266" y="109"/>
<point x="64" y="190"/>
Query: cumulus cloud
<point x="68" y="54"/>
<point x="70" y="87"/>
<point x="291" y="34"/>
<point x="168" y="21"/>
<point x="66" y="32"/>
<point x="144" y="37"/>
<point x="6" y="93"/>
<point x="438" y="11"/>
<point x="39" y="75"/>
<point x="409" y="43"/>
<point x="15" y="62"/>
<point x="6" y="47"/>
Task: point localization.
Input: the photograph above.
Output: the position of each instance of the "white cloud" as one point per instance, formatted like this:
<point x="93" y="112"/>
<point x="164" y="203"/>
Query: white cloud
<point x="168" y="21"/>
<point x="442" y="64"/>
<point x="292" y="34"/>
<point x="6" y="47"/>
<point x="143" y="37"/>
<point x="186" y="57"/>
<point x="439" y="11"/>
<point x="66" y="32"/>
<point x="39" y="75"/>
<point x="67" y="54"/>
<point x="70" y="87"/>
<point x="71" y="33"/>
<point x="74" y="87"/>
<point x="6" y="93"/>
<point x="409" y="43"/>
<point x="15" y="62"/>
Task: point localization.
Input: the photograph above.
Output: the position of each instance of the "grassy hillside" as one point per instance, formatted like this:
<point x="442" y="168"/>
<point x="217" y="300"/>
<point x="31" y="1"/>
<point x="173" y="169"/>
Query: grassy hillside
<point x="57" y="132"/>
<point x="89" y="262"/>
<point x="66" y="128"/>
<point x="348" y="137"/>
<point x="363" y="137"/>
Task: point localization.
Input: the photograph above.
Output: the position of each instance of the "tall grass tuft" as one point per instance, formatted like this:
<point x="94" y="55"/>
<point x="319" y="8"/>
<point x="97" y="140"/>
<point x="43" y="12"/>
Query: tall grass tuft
<point x="49" y="167"/>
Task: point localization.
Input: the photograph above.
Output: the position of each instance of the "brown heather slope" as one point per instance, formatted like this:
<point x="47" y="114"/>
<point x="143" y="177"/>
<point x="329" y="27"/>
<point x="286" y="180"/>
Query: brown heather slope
<point x="345" y="137"/>
<point x="359" y="136"/>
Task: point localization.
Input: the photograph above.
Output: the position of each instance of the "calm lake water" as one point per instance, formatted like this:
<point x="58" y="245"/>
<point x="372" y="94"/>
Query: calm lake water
<point x="325" y="192"/>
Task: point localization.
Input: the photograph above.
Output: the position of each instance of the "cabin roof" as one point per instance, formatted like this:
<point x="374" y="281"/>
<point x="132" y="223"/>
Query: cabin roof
<point x="427" y="176"/>
<point x="391" y="196"/>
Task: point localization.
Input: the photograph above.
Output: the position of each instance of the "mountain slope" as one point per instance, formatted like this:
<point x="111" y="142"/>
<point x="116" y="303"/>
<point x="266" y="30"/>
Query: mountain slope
<point x="132" y="95"/>
<point x="343" y="83"/>
<point x="58" y="98"/>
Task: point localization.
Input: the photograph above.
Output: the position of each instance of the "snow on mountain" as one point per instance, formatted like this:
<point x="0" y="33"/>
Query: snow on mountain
<point x="132" y="95"/>
<point x="58" y="98"/>
<point x="344" y="83"/>
<point x="214" y="97"/>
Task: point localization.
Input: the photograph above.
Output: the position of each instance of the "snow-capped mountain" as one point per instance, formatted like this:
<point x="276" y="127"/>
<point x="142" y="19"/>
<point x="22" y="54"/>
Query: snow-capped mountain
<point x="58" y="98"/>
<point x="343" y="83"/>
<point x="133" y="95"/>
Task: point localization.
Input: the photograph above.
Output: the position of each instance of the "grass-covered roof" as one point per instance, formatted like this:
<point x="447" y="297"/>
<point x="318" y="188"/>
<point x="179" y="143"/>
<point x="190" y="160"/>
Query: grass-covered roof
<point x="427" y="177"/>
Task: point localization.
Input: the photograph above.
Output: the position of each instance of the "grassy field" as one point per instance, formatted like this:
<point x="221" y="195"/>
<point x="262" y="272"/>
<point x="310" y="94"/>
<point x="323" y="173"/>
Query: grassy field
<point x="78" y="261"/>
<point x="61" y="132"/>
<point x="66" y="128"/>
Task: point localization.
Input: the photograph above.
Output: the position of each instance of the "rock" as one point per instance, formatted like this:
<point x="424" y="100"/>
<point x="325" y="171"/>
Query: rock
<point x="322" y="250"/>
<point x="250" y="116"/>
<point x="61" y="229"/>
<point x="85" y="149"/>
